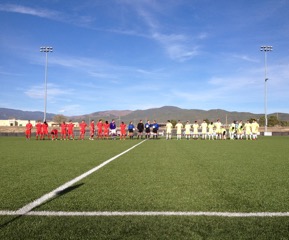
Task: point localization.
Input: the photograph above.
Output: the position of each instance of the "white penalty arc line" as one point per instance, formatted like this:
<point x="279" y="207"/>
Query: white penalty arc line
<point x="122" y="214"/>
<point x="27" y="208"/>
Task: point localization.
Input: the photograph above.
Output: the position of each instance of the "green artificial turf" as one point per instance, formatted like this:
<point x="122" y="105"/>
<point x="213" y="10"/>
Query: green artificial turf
<point x="158" y="175"/>
<point x="148" y="227"/>
<point x="244" y="176"/>
<point x="29" y="169"/>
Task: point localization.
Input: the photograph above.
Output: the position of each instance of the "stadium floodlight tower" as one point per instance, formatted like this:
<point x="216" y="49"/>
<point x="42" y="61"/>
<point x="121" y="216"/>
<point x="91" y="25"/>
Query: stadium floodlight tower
<point x="46" y="50"/>
<point x="265" y="49"/>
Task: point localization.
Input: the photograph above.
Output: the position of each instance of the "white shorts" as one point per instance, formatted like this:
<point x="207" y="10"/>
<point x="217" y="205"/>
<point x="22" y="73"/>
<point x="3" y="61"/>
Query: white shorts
<point x="113" y="131"/>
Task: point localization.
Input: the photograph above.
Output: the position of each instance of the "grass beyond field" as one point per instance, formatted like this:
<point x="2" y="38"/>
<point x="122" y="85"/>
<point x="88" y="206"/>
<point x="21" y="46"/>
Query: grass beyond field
<point x="156" y="176"/>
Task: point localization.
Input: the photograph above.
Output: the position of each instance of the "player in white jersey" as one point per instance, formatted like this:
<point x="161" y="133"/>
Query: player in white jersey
<point x="255" y="129"/>
<point x="232" y="131"/>
<point x="240" y="130"/>
<point x="188" y="130"/>
<point x="248" y="132"/>
<point x="204" y="127"/>
<point x="169" y="127"/>
<point x="179" y="126"/>
<point x="224" y="132"/>
<point x="196" y="130"/>
<point x="218" y="125"/>
<point x="211" y="131"/>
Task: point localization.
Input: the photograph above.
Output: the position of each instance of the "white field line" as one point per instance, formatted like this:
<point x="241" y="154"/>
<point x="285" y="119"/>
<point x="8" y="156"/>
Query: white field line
<point x="27" y="208"/>
<point x="109" y="214"/>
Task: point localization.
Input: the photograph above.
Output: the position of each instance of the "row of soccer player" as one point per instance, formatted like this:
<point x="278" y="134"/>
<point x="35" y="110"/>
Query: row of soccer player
<point x="104" y="129"/>
<point x="213" y="130"/>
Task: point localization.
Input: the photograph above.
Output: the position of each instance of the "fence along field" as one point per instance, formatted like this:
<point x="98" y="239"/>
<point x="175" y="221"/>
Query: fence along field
<point x="175" y="184"/>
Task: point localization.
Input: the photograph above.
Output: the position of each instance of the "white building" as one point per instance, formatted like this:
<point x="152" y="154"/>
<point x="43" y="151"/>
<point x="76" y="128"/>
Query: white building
<point x="15" y="122"/>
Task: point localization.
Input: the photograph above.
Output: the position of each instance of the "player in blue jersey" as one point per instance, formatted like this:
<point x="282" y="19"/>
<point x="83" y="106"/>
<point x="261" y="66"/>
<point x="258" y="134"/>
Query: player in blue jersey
<point x="112" y="127"/>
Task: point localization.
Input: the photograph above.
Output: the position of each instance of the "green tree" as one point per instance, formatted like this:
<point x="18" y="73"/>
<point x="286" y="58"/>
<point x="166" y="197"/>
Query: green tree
<point x="207" y="120"/>
<point x="252" y="119"/>
<point x="273" y="121"/>
<point x="284" y="123"/>
<point x="262" y="121"/>
<point x="174" y="122"/>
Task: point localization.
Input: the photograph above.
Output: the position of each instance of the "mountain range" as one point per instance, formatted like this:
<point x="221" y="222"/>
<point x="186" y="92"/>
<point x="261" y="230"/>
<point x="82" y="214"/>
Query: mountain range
<point x="161" y="114"/>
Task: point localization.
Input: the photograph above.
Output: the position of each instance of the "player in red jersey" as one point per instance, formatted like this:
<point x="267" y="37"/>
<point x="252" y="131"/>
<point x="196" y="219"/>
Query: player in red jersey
<point x="99" y="129"/>
<point x="45" y="130"/>
<point x="63" y="131"/>
<point x="122" y="130"/>
<point x="28" y="130"/>
<point x="70" y="130"/>
<point x="38" y="129"/>
<point x="91" y="129"/>
<point x="54" y="134"/>
<point x="82" y="127"/>
<point x="105" y="129"/>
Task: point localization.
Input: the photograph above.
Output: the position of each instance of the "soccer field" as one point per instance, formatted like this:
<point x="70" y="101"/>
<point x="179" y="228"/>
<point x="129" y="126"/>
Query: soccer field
<point x="154" y="189"/>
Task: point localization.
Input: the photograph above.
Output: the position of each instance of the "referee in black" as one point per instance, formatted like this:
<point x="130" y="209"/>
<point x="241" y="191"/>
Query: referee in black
<point x="140" y="128"/>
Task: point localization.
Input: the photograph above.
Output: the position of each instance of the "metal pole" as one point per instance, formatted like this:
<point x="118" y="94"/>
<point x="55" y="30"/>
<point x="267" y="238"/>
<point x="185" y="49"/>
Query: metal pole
<point x="45" y="86"/>
<point x="265" y="49"/>
<point x="46" y="50"/>
<point x="265" y="89"/>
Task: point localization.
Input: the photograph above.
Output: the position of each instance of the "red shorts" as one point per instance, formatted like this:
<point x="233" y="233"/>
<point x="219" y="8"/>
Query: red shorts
<point x="45" y="131"/>
<point x="28" y="132"/>
<point x="63" y="131"/>
<point x="38" y="132"/>
<point x="123" y="132"/>
<point x="99" y="132"/>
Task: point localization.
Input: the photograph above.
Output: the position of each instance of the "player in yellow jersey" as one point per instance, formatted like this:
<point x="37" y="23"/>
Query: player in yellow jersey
<point x="196" y="130"/>
<point x="179" y="126"/>
<point x="224" y="132"/>
<point x="169" y="127"/>
<point x="255" y="129"/>
<point x="188" y="130"/>
<point x="240" y="130"/>
<point x="248" y="132"/>
<point x="204" y="127"/>
<point x="218" y="125"/>
<point x="232" y="131"/>
<point x="211" y="131"/>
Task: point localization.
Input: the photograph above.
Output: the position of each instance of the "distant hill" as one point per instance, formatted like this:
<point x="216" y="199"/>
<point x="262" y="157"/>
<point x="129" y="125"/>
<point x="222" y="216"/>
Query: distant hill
<point x="102" y="115"/>
<point x="165" y="113"/>
<point x="161" y="114"/>
<point x="174" y="113"/>
<point x="6" y="113"/>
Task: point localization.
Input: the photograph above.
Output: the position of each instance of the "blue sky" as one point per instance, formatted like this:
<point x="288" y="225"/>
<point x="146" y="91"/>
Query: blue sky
<point x="140" y="54"/>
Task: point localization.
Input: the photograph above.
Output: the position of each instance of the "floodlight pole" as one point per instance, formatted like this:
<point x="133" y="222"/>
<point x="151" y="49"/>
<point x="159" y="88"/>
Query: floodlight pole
<point x="265" y="49"/>
<point x="46" y="50"/>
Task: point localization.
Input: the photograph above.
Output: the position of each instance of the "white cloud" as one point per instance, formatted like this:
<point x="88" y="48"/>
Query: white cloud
<point x="37" y="92"/>
<point x="68" y="109"/>
<point x="176" y="46"/>
<point x="44" y="13"/>
<point x="246" y="58"/>
<point x="47" y="13"/>
<point x="179" y="47"/>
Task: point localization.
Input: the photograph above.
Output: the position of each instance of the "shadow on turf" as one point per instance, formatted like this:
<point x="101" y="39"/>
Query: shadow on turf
<point x="67" y="190"/>
<point x="59" y="194"/>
